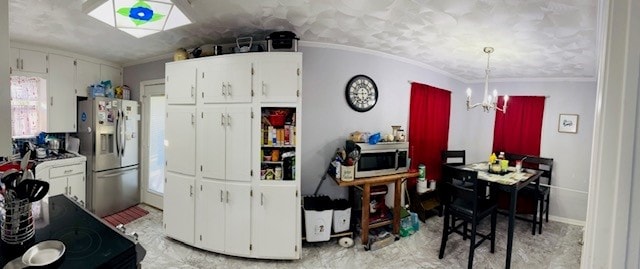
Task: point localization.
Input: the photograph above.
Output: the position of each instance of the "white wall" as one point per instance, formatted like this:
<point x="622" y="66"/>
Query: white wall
<point x="571" y="152"/>
<point x="329" y="120"/>
<point x="133" y="75"/>
<point x="5" y="92"/>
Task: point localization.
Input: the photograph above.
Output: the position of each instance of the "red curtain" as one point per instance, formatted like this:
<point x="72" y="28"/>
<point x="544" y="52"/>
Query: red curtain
<point x="428" y="127"/>
<point x="520" y="129"/>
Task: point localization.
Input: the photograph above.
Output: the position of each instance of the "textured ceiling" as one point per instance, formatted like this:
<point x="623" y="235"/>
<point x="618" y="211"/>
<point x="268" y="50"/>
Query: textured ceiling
<point x="532" y="39"/>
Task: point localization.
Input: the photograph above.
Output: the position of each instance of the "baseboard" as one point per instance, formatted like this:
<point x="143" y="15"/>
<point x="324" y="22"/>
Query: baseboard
<point x="567" y="220"/>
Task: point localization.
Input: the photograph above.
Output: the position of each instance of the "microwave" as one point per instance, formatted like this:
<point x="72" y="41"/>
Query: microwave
<point x="385" y="158"/>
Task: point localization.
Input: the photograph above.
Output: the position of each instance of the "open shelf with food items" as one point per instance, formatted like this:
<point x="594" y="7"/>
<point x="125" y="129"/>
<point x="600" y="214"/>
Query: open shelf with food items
<point x="278" y="143"/>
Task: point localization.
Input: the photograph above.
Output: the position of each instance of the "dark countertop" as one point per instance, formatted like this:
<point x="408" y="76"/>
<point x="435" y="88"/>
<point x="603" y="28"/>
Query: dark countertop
<point x="89" y="242"/>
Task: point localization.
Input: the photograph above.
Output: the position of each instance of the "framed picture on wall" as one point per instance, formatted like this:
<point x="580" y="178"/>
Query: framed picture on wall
<point x="568" y="123"/>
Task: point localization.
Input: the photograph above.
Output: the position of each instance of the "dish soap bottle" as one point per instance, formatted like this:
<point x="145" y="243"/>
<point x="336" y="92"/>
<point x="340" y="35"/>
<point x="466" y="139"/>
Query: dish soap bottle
<point x="492" y="158"/>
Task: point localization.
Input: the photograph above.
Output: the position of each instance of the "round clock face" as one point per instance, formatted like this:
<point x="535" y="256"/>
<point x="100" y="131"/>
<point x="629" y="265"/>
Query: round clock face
<point x="361" y="93"/>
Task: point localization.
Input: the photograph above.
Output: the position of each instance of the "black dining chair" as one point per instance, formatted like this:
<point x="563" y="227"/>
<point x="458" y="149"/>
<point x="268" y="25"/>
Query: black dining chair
<point x="454" y="157"/>
<point x="466" y="201"/>
<point x="540" y="195"/>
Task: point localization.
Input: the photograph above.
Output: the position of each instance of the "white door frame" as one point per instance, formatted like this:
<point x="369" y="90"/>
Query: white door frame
<point x="147" y="197"/>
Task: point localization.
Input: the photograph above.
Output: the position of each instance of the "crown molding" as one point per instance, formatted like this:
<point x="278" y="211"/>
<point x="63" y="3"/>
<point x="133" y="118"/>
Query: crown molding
<point x="549" y="79"/>
<point x="167" y="56"/>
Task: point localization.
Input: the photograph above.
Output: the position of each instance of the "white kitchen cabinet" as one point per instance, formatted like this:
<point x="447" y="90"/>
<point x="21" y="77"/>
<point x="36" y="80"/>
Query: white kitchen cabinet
<point x="227" y="80"/>
<point x="180" y="142"/>
<point x="279" y="77"/>
<point x="223" y="212"/>
<point x="114" y="74"/>
<point x="179" y="207"/>
<point x="180" y="83"/>
<point x="28" y="60"/>
<point x="87" y="74"/>
<point x="224" y="136"/>
<point x="275" y="210"/>
<point x="236" y="211"/>
<point x="61" y="95"/>
<point x="65" y="176"/>
<point x="210" y="212"/>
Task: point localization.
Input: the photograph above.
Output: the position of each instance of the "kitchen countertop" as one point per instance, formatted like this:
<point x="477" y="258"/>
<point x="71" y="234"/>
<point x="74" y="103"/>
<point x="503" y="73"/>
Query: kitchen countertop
<point x="89" y="242"/>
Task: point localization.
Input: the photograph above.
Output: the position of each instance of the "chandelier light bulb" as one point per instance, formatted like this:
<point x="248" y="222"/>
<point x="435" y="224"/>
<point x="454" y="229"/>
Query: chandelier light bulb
<point x="489" y="102"/>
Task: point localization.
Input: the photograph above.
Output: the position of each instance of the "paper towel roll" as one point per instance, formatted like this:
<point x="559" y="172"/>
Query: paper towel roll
<point x="422" y="186"/>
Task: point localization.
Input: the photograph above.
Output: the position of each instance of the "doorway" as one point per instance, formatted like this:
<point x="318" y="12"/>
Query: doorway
<point x="152" y="146"/>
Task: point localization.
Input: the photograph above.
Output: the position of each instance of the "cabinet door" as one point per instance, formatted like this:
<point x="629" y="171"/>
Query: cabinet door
<point x="211" y="142"/>
<point x="57" y="185"/>
<point x="238" y="80"/>
<point x="238" y="143"/>
<point x="212" y="85"/>
<point x="111" y="73"/>
<point x="280" y="78"/>
<point x="33" y="61"/>
<point x="210" y="230"/>
<point x="76" y="187"/>
<point x="238" y="219"/>
<point x="178" y="215"/>
<point x="180" y="86"/>
<point x="180" y="147"/>
<point x="14" y="62"/>
<point x="87" y="73"/>
<point x="61" y="92"/>
<point x="275" y="213"/>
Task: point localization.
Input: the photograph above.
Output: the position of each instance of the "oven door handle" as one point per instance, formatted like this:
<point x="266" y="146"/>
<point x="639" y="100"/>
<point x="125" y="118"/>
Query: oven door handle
<point x="397" y="157"/>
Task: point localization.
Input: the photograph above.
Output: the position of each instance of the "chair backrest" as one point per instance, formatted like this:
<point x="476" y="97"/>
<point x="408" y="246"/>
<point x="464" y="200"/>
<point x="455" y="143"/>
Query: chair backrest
<point x="454" y="157"/>
<point x="534" y="162"/>
<point x="543" y="164"/>
<point x="462" y="184"/>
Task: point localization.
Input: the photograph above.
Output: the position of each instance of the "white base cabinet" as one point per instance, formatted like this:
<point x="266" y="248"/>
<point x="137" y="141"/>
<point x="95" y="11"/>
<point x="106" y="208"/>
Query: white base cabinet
<point x="216" y="196"/>
<point x="65" y="176"/>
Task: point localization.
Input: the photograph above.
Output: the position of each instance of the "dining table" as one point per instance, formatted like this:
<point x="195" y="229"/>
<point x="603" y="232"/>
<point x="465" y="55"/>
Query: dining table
<point x="511" y="181"/>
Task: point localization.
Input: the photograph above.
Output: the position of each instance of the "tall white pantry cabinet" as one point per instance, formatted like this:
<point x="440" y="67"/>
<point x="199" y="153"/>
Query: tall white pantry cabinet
<point x="233" y="135"/>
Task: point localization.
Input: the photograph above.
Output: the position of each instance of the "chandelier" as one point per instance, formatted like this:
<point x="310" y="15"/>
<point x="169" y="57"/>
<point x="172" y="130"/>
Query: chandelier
<point x="488" y="101"/>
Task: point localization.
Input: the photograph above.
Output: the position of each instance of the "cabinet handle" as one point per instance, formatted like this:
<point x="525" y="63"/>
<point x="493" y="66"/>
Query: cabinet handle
<point x="229" y="89"/>
<point x="22" y="64"/>
<point x="51" y="100"/>
<point x="192" y="90"/>
<point x="228" y="120"/>
<point x="222" y="119"/>
<point x="69" y="190"/>
<point x="261" y="198"/>
<point x="193" y="119"/>
<point x="222" y="89"/>
<point x="221" y="200"/>
<point x="227" y="197"/>
<point x="264" y="91"/>
<point x="66" y="190"/>
<point x="18" y="63"/>
<point x="191" y="191"/>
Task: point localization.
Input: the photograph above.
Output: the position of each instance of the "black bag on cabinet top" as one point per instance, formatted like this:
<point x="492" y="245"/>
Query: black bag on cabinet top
<point x="283" y="40"/>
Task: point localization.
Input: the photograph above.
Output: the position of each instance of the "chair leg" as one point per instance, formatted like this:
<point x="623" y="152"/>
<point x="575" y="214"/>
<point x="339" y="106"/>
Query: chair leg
<point x="465" y="230"/>
<point x="541" y="215"/>
<point x="494" y="218"/>
<point x="547" y="206"/>
<point x="472" y="246"/>
<point x="534" y="216"/>
<point x="445" y="234"/>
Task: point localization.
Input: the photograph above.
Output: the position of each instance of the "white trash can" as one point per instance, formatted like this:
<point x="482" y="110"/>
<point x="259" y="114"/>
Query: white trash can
<point x="341" y="220"/>
<point x="318" y="225"/>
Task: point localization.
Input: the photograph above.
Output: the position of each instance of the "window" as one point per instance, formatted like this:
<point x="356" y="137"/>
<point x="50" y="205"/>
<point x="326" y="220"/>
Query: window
<point x="28" y="106"/>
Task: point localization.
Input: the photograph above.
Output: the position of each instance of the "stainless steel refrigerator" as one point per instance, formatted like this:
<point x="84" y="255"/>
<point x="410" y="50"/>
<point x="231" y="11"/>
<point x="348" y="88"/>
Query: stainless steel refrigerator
<point x="108" y="132"/>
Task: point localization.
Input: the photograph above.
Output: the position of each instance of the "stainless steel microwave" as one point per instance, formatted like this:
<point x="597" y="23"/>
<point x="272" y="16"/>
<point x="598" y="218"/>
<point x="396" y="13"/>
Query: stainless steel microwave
<point x="381" y="159"/>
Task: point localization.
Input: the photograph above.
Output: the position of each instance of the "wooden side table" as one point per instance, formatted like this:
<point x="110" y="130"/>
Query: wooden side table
<point x="366" y="184"/>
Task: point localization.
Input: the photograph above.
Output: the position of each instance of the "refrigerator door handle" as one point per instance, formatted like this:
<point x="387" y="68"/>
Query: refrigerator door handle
<point x="122" y="171"/>
<point x="124" y="133"/>
<point x="118" y="133"/>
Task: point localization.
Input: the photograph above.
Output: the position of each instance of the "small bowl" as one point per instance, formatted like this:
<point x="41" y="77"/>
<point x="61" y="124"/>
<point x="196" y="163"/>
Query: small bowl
<point x="267" y="158"/>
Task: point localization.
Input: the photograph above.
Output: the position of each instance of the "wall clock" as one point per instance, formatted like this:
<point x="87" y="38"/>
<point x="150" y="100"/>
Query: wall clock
<point x="361" y="93"/>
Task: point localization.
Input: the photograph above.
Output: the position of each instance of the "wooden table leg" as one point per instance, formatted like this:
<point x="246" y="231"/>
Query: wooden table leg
<point x="366" y="193"/>
<point x="512" y="213"/>
<point x="396" y="206"/>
